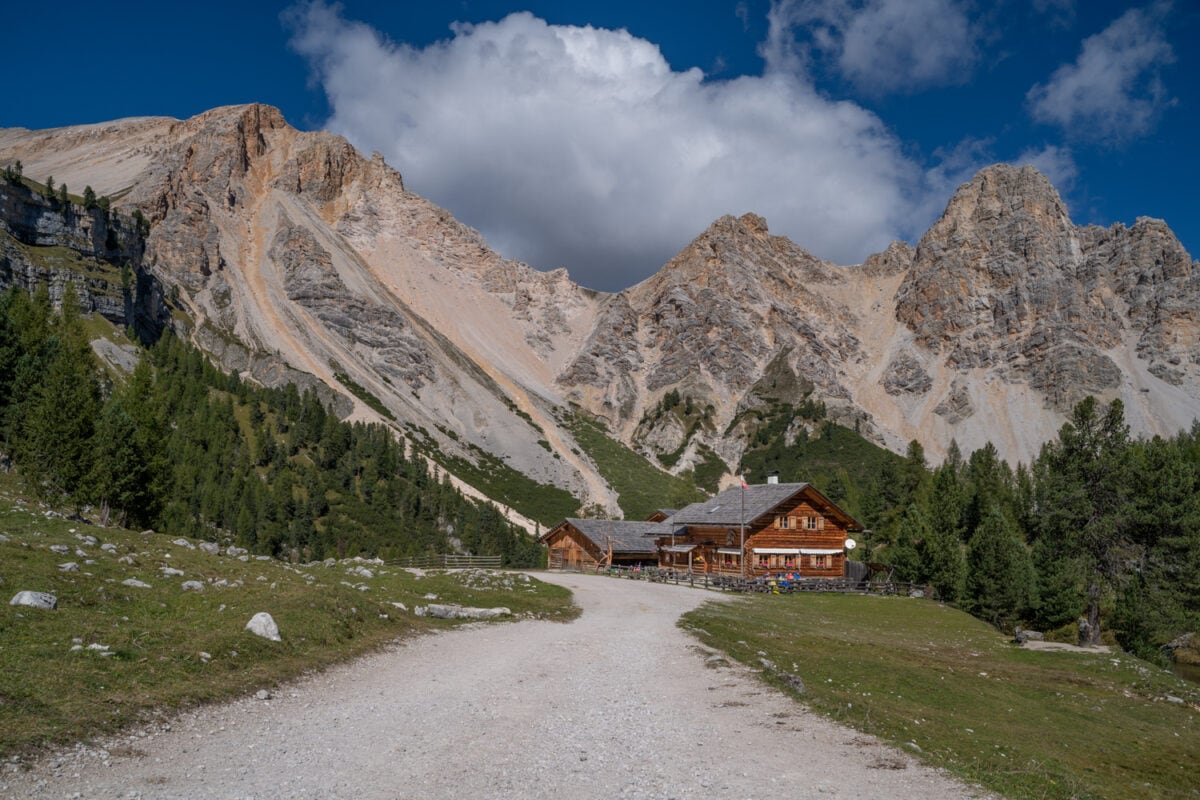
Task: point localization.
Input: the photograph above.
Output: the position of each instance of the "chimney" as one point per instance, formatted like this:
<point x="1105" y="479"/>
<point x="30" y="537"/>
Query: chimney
<point x="773" y="477"/>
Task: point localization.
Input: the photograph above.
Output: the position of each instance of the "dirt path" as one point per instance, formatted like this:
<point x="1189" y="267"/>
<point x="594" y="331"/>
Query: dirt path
<point x="618" y="704"/>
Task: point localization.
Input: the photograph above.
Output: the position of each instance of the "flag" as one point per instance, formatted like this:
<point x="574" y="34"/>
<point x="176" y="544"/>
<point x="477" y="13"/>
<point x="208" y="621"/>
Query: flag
<point x="745" y="485"/>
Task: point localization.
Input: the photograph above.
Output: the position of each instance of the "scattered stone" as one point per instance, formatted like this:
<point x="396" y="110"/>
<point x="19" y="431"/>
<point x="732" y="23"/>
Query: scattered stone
<point x="183" y="543"/>
<point x="263" y="624"/>
<point x="90" y="541"/>
<point x="171" y="572"/>
<point x="262" y="558"/>
<point x="192" y="586"/>
<point x="211" y="548"/>
<point x="60" y="548"/>
<point x="362" y="572"/>
<point x="431" y="596"/>
<point x="108" y="547"/>
<point x="400" y="606"/>
<point x="205" y="657"/>
<point x="42" y="600"/>
<point x="148" y="532"/>
<point x="235" y="551"/>
<point x="1173" y="699"/>
<point x="262" y="694"/>
<point x="135" y="583"/>
<point x="3" y="538"/>
<point x="69" y="566"/>
<point x="122" y="560"/>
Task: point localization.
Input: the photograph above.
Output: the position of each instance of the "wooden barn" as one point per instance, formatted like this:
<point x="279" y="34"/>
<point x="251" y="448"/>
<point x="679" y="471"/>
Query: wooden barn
<point x="589" y="544"/>
<point x="773" y="528"/>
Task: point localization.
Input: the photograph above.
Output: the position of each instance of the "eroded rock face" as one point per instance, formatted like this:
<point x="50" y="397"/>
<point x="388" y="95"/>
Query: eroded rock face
<point x="1004" y="280"/>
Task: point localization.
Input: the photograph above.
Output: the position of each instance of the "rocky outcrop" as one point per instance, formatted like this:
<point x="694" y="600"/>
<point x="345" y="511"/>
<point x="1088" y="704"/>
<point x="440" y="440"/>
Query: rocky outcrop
<point x="46" y="242"/>
<point x="1005" y="281"/>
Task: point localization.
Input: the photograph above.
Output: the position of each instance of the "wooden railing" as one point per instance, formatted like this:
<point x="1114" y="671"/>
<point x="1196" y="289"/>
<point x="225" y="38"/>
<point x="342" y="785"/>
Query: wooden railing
<point x="449" y="561"/>
<point x="727" y="583"/>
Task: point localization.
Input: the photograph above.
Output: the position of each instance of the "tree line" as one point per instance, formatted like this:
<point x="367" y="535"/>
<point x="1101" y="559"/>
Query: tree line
<point x="1100" y="527"/>
<point x="184" y="448"/>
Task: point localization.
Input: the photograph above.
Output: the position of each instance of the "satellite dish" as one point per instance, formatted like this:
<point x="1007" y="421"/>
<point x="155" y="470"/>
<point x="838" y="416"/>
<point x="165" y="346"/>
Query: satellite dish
<point x="851" y="544"/>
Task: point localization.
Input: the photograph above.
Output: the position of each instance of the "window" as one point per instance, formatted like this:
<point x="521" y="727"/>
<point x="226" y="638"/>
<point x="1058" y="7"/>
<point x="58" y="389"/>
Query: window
<point x="782" y="522"/>
<point x="820" y="562"/>
<point x="810" y="523"/>
<point x="763" y="562"/>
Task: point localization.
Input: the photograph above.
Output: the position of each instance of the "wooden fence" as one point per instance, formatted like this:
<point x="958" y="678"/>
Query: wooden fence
<point x="725" y="583"/>
<point x="449" y="561"/>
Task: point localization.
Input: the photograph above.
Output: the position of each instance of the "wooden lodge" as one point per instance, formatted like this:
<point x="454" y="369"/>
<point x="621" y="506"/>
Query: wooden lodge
<point x="765" y="529"/>
<point x="589" y="544"/>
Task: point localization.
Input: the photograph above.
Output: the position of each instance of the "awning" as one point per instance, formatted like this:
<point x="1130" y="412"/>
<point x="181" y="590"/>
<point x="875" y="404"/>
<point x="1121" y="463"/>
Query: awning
<point x="679" y="548"/>
<point x="732" y="551"/>
<point x="809" y="552"/>
<point x="783" y="551"/>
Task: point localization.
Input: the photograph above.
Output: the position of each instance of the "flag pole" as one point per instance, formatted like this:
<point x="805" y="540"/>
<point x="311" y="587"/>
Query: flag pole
<point x="742" y="525"/>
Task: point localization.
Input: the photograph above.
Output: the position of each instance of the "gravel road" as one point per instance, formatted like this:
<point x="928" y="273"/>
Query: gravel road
<point x="618" y="704"/>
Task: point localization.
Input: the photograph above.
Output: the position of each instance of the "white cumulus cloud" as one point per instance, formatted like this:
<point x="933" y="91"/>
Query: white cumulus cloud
<point x="1113" y="91"/>
<point x="582" y="147"/>
<point x="880" y="46"/>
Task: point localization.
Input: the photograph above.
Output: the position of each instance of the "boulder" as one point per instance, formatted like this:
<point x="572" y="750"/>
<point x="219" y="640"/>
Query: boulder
<point x="465" y="612"/>
<point x="170" y="572"/>
<point x="70" y="566"/>
<point x="212" y="548"/>
<point x="42" y="600"/>
<point x="135" y="583"/>
<point x="1021" y="636"/>
<point x="235" y="551"/>
<point x="192" y="586"/>
<point x="183" y="543"/>
<point x="263" y="624"/>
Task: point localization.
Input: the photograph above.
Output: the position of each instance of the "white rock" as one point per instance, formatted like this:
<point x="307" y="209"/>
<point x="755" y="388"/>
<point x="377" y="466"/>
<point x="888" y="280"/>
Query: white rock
<point x="361" y="572"/>
<point x="60" y="548"/>
<point x="42" y="600"/>
<point x="108" y="547"/>
<point x="183" y="543"/>
<point x="135" y="583"/>
<point x="262" y="694"/>
<point x="210" y="547"/>
<point x="171" y="572"/>
<point x="235" y="551"/>
<point x="70" y="566"/>
<point x="400" y="606"/>
<point x="192" y="586"/>
<point x="3" y="538"/>
<point x="263" y="624"/>
<point x="465" y="612"/>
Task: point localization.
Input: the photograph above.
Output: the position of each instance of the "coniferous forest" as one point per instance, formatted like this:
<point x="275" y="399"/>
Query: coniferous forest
<point x="181" y="447"/>
<point x="1101" y="527"/>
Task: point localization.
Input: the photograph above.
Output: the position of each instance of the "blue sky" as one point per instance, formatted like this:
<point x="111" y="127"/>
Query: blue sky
<point x="603" y="136"/>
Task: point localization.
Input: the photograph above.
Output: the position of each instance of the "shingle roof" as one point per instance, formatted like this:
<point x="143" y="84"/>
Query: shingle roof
<point x="626" y="536"/>
<point x="727" y="509"/>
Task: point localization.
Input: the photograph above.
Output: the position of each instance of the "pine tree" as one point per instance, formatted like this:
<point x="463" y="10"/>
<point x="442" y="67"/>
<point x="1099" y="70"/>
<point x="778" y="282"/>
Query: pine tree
<point x="89" y="198"/>
<point x="1083" y="498"/>
<point x="999" y="571"/>
<point x="56" y="447"/>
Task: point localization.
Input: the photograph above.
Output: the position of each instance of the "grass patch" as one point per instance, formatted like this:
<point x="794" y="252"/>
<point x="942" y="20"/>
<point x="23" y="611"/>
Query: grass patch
<point x="543" y="502"/>
<point x="641" y="487"/>
<point x="51" y="694"/>
<point x="362" y="393"/>
<point x="1027" y="724"/>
